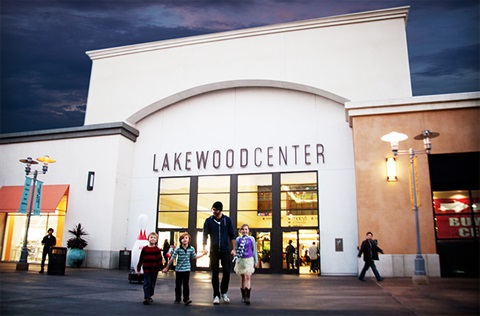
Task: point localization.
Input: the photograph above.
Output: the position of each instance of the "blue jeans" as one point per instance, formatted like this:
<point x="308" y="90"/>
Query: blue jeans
<point x="370" y="264"/>
<point x="149" y="280"/>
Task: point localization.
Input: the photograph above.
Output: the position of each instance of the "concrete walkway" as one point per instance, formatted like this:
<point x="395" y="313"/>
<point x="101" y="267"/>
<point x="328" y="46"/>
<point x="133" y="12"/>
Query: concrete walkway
<point x="107" y="292"/>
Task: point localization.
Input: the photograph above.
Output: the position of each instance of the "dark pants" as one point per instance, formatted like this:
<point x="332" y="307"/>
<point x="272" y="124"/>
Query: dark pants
<point x="149" y="280"/>
<point x="181" y="279"/>
<point x="215" y="258"/>
<point x="314" y="265"/>
<point x="290" y="261"/>
<point x="369" y="264"/>
<point x="44" y="256"/>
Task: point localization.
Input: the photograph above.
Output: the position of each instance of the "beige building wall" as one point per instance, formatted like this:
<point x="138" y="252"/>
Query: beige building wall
<point x="384" y="207"/>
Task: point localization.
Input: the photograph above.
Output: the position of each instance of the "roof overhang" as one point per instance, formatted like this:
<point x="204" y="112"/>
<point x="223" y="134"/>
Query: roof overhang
<point x="52" y="195"/>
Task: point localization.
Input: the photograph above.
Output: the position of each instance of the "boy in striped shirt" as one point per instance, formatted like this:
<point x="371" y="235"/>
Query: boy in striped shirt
<point x="183" y="255"/>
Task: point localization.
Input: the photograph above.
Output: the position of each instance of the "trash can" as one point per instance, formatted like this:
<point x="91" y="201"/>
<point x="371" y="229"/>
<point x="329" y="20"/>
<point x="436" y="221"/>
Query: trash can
<point x="124" y="260"/>
<point x="57" y="261"/>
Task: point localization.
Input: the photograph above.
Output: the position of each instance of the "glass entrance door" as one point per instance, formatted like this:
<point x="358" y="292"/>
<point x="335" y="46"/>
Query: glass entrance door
<point x="297" y="259"/>
<point x="172" y="236"/>
<point x="290" y="259"/>
<point x="263" y="239"/>
<point x="309" y="251"/>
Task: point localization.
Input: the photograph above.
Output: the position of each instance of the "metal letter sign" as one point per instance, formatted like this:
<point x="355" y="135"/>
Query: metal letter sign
<point x="38" y="198"/>
<point x="25" y="194"/>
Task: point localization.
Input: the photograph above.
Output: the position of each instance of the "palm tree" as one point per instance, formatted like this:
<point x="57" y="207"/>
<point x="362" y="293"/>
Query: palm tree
<point x="77" y="241"/>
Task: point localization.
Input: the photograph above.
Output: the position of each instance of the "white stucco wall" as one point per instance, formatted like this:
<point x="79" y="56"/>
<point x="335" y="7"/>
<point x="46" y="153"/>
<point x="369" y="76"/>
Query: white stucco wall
<point x="250" y="118"/>
<point x="359" y="56"/>
<point x="104" y="211"/>
<point x="167" y="91"/>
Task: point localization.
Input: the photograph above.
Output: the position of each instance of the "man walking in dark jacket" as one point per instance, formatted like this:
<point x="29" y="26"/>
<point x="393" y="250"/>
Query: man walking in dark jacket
<point x="370" y="252"/>
<point x="222" y="248"/>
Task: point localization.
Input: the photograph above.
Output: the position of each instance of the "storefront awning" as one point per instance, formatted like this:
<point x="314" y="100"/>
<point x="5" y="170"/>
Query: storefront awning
<point x="10" y="197"/>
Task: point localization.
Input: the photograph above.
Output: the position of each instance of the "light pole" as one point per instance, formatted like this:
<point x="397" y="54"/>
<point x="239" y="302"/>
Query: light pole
<point x="394" y="138"/>
<point x="22" y="264"/>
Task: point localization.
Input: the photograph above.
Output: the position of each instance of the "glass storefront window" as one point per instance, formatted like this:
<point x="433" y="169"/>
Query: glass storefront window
<point x="173" y="219"/>
<point x="254" y="220"/>
<point x="39" y="225"/>
<point x="451" y="202"/>
<point x="206" y="200"/>
<point x="263" y="249"/>
<point x="203" y="262"/>
<point x="175" y="185"/>
<point x="202" y="216"/>
<point x="210" y="190"/>
<point x="254" y="201"/>
<point x="213" y="184"/>
<point x="476" y="201"/>
<point x="173" y="203"/>
<point x="455" y="214"/>
<point x="253" y="204"/>
<point x="299" y="199"/>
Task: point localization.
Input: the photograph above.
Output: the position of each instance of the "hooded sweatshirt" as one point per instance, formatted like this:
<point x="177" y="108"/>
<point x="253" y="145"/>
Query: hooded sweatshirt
<point x="221" y="233"/>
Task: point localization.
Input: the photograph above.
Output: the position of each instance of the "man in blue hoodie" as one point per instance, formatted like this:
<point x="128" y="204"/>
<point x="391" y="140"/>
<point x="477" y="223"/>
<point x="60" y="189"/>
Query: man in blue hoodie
<point x="222" y="248"/>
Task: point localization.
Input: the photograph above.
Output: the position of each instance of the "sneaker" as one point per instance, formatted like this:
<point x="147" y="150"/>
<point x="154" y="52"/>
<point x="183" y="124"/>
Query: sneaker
<point x="361" y="279"/>
<point x="188" y="302"/>
<point x="41" y="271"/>
<point x="225" y="298"/>
<point x="216" y="300"/>
<point x="380" y="280"/>
<point x="146" y="301"/>
<point x="150" y="300"/>
<point x="176" y="302"/>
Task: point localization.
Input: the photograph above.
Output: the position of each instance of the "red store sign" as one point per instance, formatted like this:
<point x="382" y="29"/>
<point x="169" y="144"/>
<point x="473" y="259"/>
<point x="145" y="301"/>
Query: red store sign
<point x="457" y="226"/>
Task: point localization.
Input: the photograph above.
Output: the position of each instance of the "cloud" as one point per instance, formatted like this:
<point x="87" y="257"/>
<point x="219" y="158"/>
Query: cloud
<point x="45" y="71"/>
<point x="465" y="59"/>
<point x="454" y="69"/>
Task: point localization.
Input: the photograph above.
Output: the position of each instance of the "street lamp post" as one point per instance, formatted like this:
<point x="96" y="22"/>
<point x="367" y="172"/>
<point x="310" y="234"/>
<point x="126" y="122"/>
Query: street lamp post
<point x="394" y="138"/>
<point x="22" y="264"/>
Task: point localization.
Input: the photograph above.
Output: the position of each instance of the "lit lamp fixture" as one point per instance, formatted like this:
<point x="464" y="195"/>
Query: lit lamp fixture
<point x="391" y="169"/>
<point x="394" y="138"/>
<point x="22" y="264"/>
<point x="46" y="160"/>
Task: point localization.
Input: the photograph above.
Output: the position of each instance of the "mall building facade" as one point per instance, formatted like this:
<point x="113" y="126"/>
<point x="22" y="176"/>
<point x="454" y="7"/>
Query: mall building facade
<point x="281" y="123"/>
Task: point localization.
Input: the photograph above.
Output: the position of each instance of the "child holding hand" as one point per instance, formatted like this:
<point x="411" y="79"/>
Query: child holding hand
<point x="246" y="261"/>
<point x="151" y="260"/>
<point x="183" y="254"/>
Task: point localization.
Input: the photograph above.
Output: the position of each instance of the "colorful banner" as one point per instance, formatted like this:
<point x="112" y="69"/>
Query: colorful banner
<point x="38" y="198"/>
<point x="417" y="189"/>
<point x="25" y="194"/>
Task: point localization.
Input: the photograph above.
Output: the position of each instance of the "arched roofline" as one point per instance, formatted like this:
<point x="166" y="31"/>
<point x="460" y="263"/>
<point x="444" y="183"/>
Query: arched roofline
<point x="192" y="92"/>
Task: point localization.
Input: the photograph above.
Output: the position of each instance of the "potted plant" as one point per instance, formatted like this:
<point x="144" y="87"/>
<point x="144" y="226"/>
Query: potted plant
<point x="76" y="254"/>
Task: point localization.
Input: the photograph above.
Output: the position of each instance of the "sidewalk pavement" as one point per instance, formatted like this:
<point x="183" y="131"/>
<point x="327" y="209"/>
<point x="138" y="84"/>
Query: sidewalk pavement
<point x="87" y="291"/>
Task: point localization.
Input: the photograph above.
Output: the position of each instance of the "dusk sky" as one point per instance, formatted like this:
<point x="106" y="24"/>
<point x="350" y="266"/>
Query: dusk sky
<point x="45" y="72"/>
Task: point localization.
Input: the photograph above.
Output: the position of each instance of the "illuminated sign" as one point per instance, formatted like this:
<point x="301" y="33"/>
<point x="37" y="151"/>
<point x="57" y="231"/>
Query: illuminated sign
<point x="457" y="226"/>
